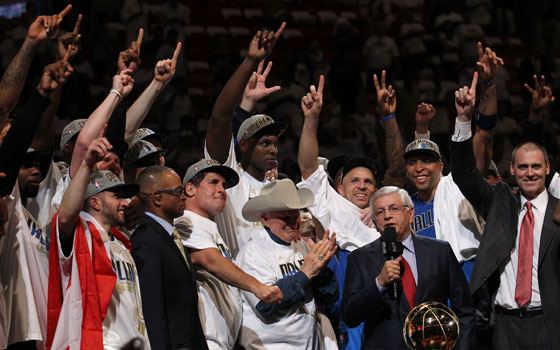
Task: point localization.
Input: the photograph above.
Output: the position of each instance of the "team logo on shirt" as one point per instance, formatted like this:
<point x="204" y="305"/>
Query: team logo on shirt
<point x="42" y="242"/>
<point x="290" y="269"/>
<point x="126" y="275"/>
<point x="422" y="221"/>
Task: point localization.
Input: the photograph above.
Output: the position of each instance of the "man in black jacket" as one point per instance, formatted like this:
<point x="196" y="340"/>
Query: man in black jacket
<point x="167" y="284"/>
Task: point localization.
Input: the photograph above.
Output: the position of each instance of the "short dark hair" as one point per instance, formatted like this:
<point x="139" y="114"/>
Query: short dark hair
<point x="197" y="179"/>
<point x="529" y="146"/>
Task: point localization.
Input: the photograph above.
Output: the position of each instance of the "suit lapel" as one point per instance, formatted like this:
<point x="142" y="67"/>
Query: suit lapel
<point x="549" y="229"/>
<point x="423" y="263"/>
<point x="166" y="238"/>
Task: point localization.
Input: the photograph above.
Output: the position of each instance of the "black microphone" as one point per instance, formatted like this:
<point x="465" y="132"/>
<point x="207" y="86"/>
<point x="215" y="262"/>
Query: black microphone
<point x="392" y="249"/>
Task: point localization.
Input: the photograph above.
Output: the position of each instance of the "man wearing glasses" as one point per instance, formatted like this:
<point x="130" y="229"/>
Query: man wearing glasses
<point x="218" y="277"/>
<point x="167" y="284"/>
<point x="427" y="269"/>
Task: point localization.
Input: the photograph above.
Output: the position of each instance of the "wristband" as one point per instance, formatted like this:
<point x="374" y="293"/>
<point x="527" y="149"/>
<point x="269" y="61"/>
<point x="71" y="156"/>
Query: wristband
<point x="113" y="91"/>
<point x="389" y="117"/>
<point x="486" y="122"/>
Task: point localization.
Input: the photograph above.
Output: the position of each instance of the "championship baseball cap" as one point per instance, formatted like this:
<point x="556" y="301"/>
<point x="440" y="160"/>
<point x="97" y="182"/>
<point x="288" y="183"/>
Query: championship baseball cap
<point x="356" y="162"/>
<point x="422" y="146"/>
<point x="139" y="150"/>
<point x="70" y="131"/>
<point x="105" y="180"/>
<point x="259" y="122"/>
<point x="337" y="163"/>
<point x="212" y="166"/>
<point x="148" y="134"/>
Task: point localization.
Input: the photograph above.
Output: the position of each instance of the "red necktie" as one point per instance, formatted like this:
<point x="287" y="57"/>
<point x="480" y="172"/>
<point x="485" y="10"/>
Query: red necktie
<point x="408" y="283"/>
<point x="525" y="258"/>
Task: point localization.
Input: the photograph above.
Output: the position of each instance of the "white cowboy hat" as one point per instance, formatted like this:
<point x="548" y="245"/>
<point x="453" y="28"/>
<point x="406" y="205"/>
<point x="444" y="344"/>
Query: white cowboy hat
<point x="277" y="195"/>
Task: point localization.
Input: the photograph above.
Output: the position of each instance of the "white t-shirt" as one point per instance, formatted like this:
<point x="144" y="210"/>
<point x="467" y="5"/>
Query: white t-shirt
<point x="24" y="271"/>
<point x="124" y="319"/>
<point x="219" y="303"/>
<point x="337" y="214"/>
<point x="292" y="328"/>
<point x="236" y="230"/>
<point x="48" y="200"/>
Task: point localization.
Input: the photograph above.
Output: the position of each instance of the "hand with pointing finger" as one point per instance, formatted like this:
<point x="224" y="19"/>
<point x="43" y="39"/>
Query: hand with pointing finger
<point x="45" y="27"/>
<point x="54" y="75"/>
<point x="263" y="42"/>
<point x="465" y="100"/>
<point x="312" y="103"/>
<point x="130" y="58"/>
<point x="165" y="69"/>
<point x="72" y="38"/>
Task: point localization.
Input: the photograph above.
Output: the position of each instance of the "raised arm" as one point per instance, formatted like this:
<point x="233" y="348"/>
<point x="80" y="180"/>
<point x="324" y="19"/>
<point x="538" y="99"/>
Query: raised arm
<point x="74" y="197"/>
<point x="122" y="85"/>
<point x="487" y="65"/>
<point x="311" y="105"/>
<point x="541" y="98"/>
<point x="424" y="114"/>
<point x="130" y="58"/>
<point x="463" y="164"/>
<point x="68" y="46"/>
<point x="20" y="135"/>
<point x="12" y="82"/>
<point x="163" y="73"/>
<point x="219" y="132"/>
<point x="394" y="145"/>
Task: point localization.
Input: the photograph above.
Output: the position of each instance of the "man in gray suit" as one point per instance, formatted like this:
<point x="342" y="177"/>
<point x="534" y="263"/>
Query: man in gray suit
<point x="519" y="256"/>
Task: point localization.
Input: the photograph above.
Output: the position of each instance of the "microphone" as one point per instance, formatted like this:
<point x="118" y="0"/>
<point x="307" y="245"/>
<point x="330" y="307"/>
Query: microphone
<point x="392" y="249"/>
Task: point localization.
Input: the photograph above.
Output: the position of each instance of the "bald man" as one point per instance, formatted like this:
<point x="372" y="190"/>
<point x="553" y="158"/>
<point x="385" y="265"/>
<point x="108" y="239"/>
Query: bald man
<point x="167" y="285"/>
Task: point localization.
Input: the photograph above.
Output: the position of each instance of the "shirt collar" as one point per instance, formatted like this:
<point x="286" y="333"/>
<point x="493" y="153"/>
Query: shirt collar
<point x="275" y="238"/>
<point x="538" y="203"/>
<point x="166" y="226"/>
<point x="408" y="244"/>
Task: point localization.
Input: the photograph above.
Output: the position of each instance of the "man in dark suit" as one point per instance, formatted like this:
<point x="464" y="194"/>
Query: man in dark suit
<point x="518" y="260"/>
<point x="167" y="285"/>
<point x="429" y="270"/>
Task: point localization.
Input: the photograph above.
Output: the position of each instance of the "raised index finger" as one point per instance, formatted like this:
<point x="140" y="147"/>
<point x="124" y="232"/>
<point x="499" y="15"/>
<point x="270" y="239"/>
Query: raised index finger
<point x="480" y="51"/>
<point x="474" y="81"/>
<point x="67" y="55"/>
<point x="140" y="36"/>
<point x="321" y="85"/>
<point x="177" y="52"/>
<point x="77" y="25"/>
<point x="65" y="11"/>
<point x="279" y="31"/>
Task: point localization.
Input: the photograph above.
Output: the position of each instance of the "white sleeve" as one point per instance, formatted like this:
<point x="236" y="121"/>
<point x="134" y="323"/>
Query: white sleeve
<point x="196" y="239"/>
<point x="462" y="132"/>
<point x="554" y="186"/>
<point x="318" y="183"/>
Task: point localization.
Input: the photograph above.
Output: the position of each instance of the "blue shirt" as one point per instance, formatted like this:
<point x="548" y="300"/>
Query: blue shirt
<point x="423" y="221"/>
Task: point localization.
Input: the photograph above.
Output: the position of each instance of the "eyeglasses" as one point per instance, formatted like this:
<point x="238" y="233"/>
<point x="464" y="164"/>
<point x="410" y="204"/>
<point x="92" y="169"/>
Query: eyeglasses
<point x="174" y="192"/>
<point x="394" y="210"/>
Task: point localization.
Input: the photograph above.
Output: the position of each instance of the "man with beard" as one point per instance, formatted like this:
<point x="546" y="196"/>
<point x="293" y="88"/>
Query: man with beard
<point x="90" y="262"/>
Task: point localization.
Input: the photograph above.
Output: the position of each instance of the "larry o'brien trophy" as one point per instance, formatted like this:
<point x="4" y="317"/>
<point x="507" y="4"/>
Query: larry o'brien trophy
<point x="431" y="326"/>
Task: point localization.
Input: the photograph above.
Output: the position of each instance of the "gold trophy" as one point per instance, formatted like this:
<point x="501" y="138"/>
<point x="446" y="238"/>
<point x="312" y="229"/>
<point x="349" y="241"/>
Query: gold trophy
<point x="431" y="326"/>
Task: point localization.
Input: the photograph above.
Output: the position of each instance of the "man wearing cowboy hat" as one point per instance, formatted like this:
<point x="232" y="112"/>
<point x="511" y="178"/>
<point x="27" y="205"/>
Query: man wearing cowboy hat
<point x="218" y="277"/>
<point x="279" y="257"/>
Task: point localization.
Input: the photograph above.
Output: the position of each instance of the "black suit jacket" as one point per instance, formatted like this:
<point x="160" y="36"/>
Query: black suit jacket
<point x="169" y="295"/>
<point x="439" y="277"/>
<point x="500" y="208"/>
